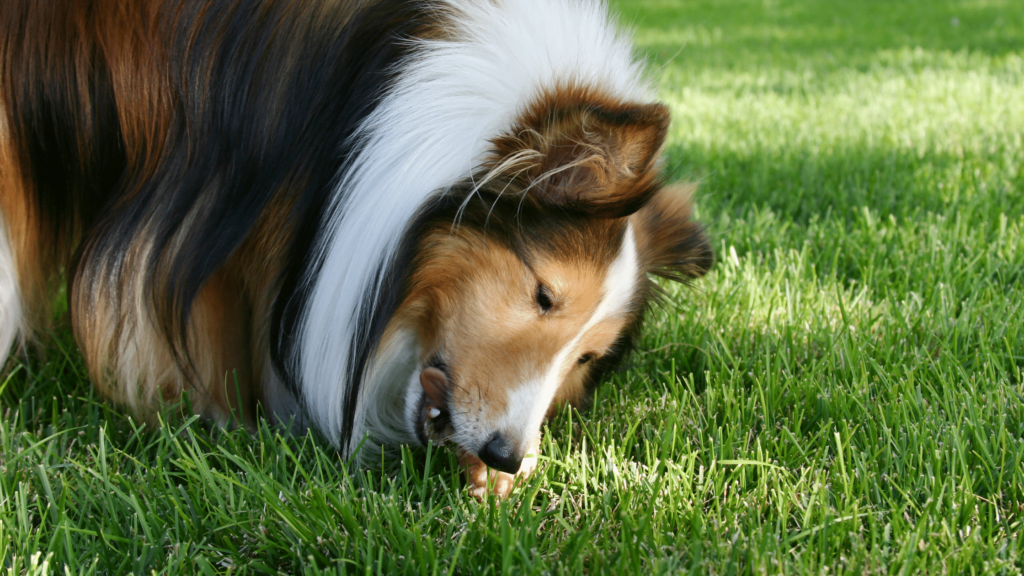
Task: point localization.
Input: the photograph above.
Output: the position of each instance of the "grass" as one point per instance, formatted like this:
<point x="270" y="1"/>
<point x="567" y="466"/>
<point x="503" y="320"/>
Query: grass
<point x="842" y="394"/>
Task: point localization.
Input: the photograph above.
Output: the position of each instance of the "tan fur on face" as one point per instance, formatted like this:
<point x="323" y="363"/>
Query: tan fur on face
<point x="476" y="302"/>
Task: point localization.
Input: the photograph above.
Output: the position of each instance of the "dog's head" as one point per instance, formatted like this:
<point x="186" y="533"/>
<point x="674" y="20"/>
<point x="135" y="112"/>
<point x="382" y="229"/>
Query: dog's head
<point x="532" y="281"/>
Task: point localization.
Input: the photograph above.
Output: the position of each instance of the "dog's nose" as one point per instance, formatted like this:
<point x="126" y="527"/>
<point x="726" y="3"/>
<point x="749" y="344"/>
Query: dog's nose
<point x="499" y="454"/>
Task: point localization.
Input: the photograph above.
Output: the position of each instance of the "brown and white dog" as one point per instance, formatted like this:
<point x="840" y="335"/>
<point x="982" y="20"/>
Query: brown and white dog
<point x="393" y="221"/>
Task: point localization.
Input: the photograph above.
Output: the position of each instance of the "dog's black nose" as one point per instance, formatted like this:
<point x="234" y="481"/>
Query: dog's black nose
<point x="498" y="454"/>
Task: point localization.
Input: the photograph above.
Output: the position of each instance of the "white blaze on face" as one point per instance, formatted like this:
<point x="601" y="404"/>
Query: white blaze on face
<point x="528" y="403"/>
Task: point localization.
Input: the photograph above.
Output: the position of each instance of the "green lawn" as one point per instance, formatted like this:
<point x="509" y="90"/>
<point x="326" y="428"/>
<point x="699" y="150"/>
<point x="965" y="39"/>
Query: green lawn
<point x="843" y="393"/>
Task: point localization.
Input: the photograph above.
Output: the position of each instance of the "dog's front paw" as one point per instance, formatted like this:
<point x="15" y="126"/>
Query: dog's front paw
<point x="481" y="480"/>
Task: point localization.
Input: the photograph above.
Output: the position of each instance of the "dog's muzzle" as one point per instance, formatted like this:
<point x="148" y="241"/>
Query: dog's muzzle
<point x="499" y="454"/>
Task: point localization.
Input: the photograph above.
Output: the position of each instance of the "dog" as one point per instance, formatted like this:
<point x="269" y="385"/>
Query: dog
<point x="390" y="221"/>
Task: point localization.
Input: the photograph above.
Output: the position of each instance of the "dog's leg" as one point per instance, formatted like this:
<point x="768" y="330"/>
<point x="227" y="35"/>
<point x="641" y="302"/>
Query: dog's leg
<point x="218" y="339"/>
<point x="131" y="361"/>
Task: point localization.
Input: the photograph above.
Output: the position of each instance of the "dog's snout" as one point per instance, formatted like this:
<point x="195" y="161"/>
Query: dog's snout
<point x="499" y="454"/>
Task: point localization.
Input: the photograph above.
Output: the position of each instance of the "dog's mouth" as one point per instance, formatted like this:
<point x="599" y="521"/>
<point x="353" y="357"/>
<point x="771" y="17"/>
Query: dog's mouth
<point x="433" y="418"/>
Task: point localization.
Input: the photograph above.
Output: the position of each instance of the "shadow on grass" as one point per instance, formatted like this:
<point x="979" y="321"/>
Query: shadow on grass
<point x="799" y="183"/>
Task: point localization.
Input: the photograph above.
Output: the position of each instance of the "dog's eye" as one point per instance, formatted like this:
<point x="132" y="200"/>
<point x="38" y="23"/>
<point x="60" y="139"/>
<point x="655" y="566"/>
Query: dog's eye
<point x="585" y="358"/>
<point x="543" y="297"/>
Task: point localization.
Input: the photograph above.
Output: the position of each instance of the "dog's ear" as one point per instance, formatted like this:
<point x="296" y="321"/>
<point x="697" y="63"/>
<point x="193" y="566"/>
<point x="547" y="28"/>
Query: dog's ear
<point x="669" y="243"/>
<point x="591" y="159"/>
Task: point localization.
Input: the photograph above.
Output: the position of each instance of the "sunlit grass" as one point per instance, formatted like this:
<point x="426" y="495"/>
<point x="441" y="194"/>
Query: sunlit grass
<point x="842" y="392"/>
